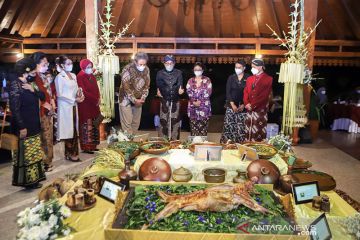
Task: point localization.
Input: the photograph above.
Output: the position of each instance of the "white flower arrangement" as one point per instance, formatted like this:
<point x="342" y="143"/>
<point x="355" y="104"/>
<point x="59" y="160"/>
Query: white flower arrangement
<point x="352" y="225"/>
<point x="44" y="221"/>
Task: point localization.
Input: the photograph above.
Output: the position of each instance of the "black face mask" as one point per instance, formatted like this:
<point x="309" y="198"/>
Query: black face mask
<point x="30" y="78"/>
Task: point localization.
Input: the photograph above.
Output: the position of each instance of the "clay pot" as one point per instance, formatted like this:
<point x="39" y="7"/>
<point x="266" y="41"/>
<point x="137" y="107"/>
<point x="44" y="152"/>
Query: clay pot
<point x="214" y="175"/>
<point x="181" y="175"/>
<point x="155" y="169"/>
<point x="265" y="171"/>
<point x="285" y="182"/>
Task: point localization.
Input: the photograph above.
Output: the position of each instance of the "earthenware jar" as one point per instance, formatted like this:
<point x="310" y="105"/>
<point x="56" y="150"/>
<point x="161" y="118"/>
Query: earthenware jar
<point x="241" y="177"/>
<point x="127" y="174"/>
<point x="325" y="203"/>
<point x="181" y="175"/>
<point x="265" y="171"/>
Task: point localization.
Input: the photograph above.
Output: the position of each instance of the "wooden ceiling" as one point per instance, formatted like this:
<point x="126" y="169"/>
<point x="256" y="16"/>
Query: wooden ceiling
<point x="176" y="18"/>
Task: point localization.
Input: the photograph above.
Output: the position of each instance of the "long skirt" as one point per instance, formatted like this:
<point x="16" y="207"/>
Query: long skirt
<point x="28" y="168"/>
<point x="256" y="121"/>
<point x="72" y="144"/>
<point x="199" y="127"/>
<point x="169" y="120"/>
<point x="47" y="138"/>
<point x="234" y="127"/>
<point x="89" y="135"/>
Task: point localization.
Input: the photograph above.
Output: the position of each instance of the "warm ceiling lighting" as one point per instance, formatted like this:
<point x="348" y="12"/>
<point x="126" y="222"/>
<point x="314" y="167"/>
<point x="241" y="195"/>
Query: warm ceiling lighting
<point x="133" y="56"/>
<point x="258" y="56"/>
<point x="19" y="55"/>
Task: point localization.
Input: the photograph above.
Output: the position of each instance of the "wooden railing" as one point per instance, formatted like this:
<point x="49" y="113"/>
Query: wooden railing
<point x="338" y="52"/>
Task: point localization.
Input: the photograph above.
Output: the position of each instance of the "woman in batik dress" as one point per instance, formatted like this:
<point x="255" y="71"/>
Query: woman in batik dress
<point x="28" y="169"/>
<point x="199" y="89"/>
<point x="234" y="122"/>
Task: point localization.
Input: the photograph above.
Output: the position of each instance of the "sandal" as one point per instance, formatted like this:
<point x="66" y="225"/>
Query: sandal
<point x="48" y="168"/>
<point x="72" y="160"/>
<point x="34" y="186"/>
<point x="88" y="152"/>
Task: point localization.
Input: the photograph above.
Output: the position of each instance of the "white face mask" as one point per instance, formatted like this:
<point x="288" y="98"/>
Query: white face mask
<point x="59" y="69"/>
<point x="140" y="68"/>
<point x="43" y="69"/>
<point x="198" y="73"/>
<point x="68" y="68"/>
<point x="169" y="68"/>
<point x="323" y="92"/>
<point x="255" y="71"/>
<point x="238" y="71"/>
<point x="88" y="71"/>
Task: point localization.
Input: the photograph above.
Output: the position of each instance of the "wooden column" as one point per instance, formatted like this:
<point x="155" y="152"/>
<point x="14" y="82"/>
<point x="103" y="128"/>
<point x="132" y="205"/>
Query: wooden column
<point x="91" y="20"/>
<point x="310" y="17"/>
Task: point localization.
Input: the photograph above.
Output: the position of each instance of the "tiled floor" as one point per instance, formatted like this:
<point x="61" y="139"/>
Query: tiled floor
<point x="323" y="153"/>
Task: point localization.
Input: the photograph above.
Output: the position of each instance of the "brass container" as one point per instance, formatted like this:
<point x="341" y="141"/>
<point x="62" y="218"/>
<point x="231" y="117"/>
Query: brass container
<point x="214" y="175"/>
<point x="325" y="203"/>
<point x="79" y="201"/>
<point x="70" y="201"/>
<point x="181" y="175"/>
<point x="89" y="196"/>
<point x="316" y="202"/>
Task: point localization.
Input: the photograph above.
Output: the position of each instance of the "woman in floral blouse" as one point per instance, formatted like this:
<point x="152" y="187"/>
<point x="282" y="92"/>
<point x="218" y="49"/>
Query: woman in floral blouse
<point x="199" y="90"/>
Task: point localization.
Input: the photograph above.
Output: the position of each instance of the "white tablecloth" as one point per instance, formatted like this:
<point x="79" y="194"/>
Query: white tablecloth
<point x="345" y="124"/>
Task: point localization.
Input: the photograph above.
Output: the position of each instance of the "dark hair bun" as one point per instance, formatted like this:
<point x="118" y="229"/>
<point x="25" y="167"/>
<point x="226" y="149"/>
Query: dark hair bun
<point x="25" y="65"/>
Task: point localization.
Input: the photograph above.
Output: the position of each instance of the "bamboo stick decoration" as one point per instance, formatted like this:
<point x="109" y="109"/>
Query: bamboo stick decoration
<point x="292" y="71"/>
<point x="108" y="62"/>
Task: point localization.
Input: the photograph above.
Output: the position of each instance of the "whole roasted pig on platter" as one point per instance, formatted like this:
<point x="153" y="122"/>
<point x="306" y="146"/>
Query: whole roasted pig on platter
<point x="220" y="198"/>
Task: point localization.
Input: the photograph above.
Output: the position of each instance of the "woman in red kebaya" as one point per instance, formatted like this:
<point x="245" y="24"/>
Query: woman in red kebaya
<point x="89" y="109"/>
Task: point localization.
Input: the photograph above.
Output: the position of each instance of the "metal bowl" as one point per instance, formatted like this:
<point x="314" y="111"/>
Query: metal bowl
<point x="214" y="175"/>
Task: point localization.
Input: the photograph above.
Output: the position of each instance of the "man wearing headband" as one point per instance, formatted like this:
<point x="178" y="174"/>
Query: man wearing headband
<point x="169" y="83"/>
<point x="256" y="100"/>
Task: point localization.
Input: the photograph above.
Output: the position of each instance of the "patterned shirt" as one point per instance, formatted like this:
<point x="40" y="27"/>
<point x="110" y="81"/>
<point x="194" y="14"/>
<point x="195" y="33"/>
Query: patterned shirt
<point x="134" y="84"/>
<point x="202" y="94"/>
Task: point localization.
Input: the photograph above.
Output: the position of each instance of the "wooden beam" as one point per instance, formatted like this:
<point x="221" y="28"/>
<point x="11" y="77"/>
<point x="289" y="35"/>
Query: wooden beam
<point x="79" y="22"/>
<point x="138" y="11"/>
<point x="116" y="10"/>
<point x="216" y="17"/>
<point x="67" y="15"/>
<point x="189" y="19"/>
<point x="30" y="18"/>
<point x="169" y="26"/>
<point x="254" y="18"/>
<point x="58" y="6"/>
<point x="352" y="19"/>
<point x="91" y="15"/>
<point x="275" y="16"/>
<point x="151" y="21"/>
<point x="159" y="22"/>
<point x="19" y="21"/>
<point x="237" y="28"/>
<point x="6" y="21"/>
<point x="124" y="15"/>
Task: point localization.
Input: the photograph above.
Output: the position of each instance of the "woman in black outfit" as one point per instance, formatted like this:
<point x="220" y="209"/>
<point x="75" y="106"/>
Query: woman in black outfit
<point x="28" y="169"/>
<point x="234" y="122"/>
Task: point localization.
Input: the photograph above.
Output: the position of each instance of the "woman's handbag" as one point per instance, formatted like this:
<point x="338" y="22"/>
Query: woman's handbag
<point x="7" y="141"/>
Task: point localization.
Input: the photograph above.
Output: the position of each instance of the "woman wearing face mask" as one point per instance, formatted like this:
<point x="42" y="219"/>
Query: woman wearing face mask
<point x="68" y="95"/>
<point x="234" y="122"/>
<point x="256" y="100"/>
<point x="199" y="89"/>
<point x="169" y="83"/>
<point x="134" y="89"/>
<point x="47" y="108"/>
<point x="89" y="109"/>
<point x="25" y="96"/>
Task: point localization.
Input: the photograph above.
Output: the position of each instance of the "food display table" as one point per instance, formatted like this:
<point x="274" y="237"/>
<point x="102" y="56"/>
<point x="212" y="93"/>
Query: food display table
<point x="345" y="117"/>
<point x="96" y="223"/>
<point x="230" y="161"/>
